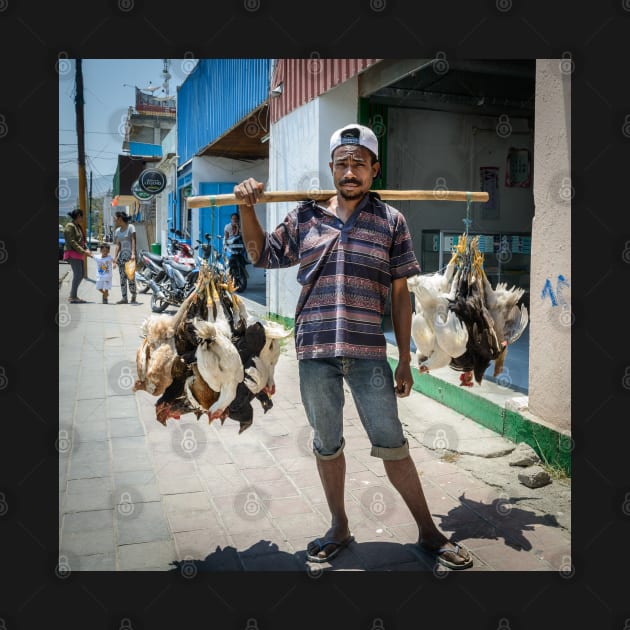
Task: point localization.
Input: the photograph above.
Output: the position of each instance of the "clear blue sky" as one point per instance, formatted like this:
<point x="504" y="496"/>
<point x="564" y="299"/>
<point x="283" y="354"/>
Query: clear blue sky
<point x="106" y="101"/>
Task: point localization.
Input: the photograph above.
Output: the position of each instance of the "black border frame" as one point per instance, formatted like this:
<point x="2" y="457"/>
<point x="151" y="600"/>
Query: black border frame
<point x="33" y="38"/>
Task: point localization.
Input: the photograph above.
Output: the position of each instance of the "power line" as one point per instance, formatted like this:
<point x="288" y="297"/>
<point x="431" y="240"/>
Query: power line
<point x="107" y="133"/>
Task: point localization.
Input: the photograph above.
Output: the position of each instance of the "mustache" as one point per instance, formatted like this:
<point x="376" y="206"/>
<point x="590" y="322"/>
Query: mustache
<point x="350" y="180"/>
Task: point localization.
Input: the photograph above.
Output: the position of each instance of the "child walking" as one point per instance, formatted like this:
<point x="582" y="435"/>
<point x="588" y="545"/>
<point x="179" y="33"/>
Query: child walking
<point x="104" y="269"/>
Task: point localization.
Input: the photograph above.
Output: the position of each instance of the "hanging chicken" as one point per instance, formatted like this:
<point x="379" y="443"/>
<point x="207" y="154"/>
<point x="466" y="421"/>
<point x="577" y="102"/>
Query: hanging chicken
<point x="437" y="332"/>
<point x="460" y="321"/>
<point x="208" y="358"/>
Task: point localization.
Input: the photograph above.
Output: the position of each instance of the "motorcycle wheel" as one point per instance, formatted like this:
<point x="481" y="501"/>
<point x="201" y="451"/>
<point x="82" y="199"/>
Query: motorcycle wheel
<point x="141" y="284"/>
<point x="158" y="305"/>
<point x="238" y="278"/>
<point x="242" y="283"/>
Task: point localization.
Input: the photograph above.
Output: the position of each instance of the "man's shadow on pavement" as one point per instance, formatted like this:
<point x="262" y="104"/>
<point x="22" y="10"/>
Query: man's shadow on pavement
<point x="261" y="556"/>
<point x="469" y="520"/>
<point x="266" y="556"/>
<point x="492" y="521"/>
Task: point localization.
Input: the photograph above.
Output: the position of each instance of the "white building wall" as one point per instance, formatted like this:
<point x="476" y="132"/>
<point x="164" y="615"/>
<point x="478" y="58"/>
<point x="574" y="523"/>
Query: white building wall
<point x="298" y="160"/>
<point x="551" y="319"/>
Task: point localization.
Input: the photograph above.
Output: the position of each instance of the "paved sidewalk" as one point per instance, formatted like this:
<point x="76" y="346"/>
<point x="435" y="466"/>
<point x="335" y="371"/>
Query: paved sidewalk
<point x="193" y="496"/>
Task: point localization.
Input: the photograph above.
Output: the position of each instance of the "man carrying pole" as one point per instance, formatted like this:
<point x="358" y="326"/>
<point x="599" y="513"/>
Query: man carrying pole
<point x="352" y="250"/>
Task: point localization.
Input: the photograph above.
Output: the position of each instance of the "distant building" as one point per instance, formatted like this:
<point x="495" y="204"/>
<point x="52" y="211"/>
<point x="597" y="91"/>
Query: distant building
<point x="146" y="127"/>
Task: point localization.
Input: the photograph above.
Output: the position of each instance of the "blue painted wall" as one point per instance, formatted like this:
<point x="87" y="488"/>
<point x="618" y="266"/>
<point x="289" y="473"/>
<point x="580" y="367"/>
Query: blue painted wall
<point x="215" y="96"/>
<point x="213" y="219"/>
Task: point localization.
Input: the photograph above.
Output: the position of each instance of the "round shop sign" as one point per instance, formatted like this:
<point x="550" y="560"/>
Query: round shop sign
<point x="139" y="193"/>
<point x="152" y="181"/>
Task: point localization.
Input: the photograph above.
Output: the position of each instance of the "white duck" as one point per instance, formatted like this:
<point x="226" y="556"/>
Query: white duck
<point x="260" y="377"/>
<point x="510" y="320"/>
<point x="451" y="334"/>
<point x="429" y="354"/>
<point x="437" y="332"/>
<point x="219" y="364"/>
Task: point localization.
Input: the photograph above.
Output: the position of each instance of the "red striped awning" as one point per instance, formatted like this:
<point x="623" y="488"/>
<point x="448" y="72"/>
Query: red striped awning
<point x="305" y="79"/>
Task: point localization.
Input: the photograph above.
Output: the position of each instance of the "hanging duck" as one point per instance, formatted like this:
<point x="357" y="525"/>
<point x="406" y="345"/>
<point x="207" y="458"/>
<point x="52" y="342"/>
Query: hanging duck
<point x="460" y="320"/>
<point x="203" y="359"/>
<point x="483" y="345"/>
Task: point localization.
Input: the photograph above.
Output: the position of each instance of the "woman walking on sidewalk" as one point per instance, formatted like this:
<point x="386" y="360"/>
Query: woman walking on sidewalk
<point x="74" y="253"/>
<point x="125" y="239"/>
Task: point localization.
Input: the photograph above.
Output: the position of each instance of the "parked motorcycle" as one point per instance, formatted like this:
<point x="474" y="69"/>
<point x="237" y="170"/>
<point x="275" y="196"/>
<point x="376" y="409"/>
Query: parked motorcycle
<point x="206" y="250"/>
<point x="179" y="275"/>
<point x="179" y="249"/>
<point x="151" y="268"/>
<point x="177" y="284"/>
<point x="237" y="262"/>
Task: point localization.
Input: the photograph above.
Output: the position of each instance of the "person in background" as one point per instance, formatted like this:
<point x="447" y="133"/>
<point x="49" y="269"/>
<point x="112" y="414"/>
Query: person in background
<point x="104" y="272"/>
<point x="125" y="240"/>
<point x="352" y="251"/>
<point x="74" y="252"/>
<point x="231" y="229"/>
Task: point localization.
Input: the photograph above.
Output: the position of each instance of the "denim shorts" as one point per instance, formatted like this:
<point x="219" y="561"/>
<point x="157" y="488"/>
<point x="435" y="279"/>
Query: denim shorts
<point x="371" y="384"/>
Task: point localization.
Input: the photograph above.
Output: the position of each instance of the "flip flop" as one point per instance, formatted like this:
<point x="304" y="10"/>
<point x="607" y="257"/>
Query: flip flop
<point x="77" y="301"/>
<point x="322" y="544"/>
<point x="439" y="556"/>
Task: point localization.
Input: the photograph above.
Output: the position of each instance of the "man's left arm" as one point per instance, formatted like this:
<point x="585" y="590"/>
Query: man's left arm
<point x="401" y="320"/>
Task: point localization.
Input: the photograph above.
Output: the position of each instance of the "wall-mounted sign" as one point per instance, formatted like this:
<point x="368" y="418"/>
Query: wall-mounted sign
<point x="518" y="168"/>
<point x="152" y="181"/>
<point x="489" y="176"/>
<point x="139" y="193"/>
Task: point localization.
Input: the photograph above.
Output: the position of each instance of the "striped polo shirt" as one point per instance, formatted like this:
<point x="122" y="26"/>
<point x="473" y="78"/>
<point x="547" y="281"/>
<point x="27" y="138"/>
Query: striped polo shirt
<point x="345" y="270"/>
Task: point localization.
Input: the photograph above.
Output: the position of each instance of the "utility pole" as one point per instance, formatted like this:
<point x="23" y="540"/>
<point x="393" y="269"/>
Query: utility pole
<point x="78" y="102"/>
<point x="89" y="230"/>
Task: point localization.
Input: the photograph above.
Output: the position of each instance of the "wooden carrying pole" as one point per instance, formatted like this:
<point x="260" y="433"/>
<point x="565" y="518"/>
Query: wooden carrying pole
<point x="203" y="201"/>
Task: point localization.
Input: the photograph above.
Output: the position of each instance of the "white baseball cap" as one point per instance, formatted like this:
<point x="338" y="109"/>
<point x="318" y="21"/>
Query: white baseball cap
<point x="354" y="134"/>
